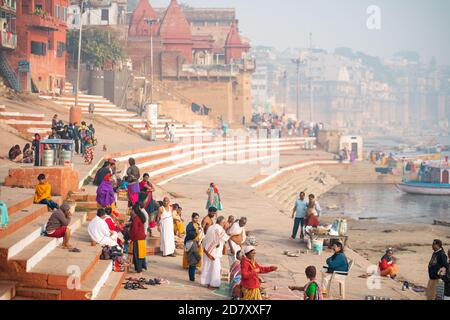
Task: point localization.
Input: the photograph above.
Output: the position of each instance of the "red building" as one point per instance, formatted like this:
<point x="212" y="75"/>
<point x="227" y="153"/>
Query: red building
<point x="41" y="41"/>
<point x="184" y="36"/>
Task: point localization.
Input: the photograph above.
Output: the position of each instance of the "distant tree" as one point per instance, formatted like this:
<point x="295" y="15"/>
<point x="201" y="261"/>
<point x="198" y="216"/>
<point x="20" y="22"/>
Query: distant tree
<point x="412" y="56"/>
<point x="98" y="47"/>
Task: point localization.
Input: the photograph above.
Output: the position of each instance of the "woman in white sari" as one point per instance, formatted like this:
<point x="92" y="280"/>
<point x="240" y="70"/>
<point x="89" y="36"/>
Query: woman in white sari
<point x="166" y="228"/>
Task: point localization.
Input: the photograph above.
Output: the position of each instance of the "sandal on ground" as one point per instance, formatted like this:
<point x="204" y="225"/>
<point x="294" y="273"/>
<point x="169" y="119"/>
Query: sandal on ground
<point x="157" y="281"/>
<point x="74" y="250"/>
<point x="132" y="279"/>
<point x="142" y="280"/>
<point x="150" y="282"/>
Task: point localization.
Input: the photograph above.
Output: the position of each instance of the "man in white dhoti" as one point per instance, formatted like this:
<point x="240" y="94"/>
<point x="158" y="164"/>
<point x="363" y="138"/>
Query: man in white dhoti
<point x="99" y="231"/>
<point x="237" y="238"/>
<point x="215" y="239"/>
<point x="166" y="228"/>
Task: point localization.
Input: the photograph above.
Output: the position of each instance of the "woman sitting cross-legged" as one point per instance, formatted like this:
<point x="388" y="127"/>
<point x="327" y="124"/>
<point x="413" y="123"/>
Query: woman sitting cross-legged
<point x="336" y="263"/>
<point x="387" y="265"/>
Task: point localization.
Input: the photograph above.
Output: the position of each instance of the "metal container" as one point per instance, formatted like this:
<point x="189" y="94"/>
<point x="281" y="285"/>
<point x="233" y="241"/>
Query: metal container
<point x="65" y="155"/>
<point x="48" y="158"/>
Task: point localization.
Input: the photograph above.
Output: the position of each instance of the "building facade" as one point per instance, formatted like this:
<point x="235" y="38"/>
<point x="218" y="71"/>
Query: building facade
<point x="98" y="13"/>
<point x="41" y="42"/>
<point x="195" y="49"/>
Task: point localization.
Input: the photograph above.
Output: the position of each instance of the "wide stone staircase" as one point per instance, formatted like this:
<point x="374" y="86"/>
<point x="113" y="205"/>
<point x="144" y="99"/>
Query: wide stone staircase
<point x="27" y="124"/>
<point x="103" y="107"/>
<point x="35" y="267"/>
<point x="167" y="162"/>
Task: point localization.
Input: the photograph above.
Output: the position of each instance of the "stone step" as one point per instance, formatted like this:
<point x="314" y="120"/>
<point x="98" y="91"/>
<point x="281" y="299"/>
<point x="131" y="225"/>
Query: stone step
<point x="86" y="205"/>
<point x="38" y="293"/>
<point x="97" y="278"/>
<point x="21" y="116"/>
<point x="112" y="286"/>
<point x="85" y="104"/>
<point x="82" y="198"/>
<point x="23" y="217"/>
<point x="16" y="199"/>
<point x="54" y="270"/>
<point x="32" y="254"/>
<point x="7" y="290"/>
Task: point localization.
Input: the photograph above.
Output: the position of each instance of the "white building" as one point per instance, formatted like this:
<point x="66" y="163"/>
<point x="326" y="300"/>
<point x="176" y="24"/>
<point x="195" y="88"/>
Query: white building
<point x="98" y="13"/>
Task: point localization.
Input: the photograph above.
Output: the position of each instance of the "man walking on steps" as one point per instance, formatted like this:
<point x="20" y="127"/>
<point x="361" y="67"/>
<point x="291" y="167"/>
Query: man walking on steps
<point x="298" y="214"/>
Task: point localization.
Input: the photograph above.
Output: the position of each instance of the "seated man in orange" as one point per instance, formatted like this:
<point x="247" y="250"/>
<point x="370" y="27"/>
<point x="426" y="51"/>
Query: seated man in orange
<point x="387" y="265"/>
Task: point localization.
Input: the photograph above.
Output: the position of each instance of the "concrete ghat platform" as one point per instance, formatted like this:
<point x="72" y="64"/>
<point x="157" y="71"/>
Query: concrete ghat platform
<point x="272" y="230"/>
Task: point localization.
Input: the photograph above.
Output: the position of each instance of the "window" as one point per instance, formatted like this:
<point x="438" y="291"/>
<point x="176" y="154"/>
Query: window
<point x="64" y="14"/>
<point x="105" y="15"/>
<point x="57" y="11"/>
<point x="38" y="48"/>
<point x="61" y="47"/>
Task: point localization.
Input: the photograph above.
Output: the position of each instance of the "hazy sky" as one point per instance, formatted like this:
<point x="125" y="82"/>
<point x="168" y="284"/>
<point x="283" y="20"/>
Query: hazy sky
<point x="419" y="25"/>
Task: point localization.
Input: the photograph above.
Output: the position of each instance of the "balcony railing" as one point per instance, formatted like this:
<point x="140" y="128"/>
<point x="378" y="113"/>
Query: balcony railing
<point x="43" y="22"/>
<point x="8" y="40"/>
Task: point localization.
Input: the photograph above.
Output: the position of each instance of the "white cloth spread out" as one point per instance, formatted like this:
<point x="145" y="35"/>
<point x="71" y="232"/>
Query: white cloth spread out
<point x="213" y="243"/>
<point x="167" y="234"/>
<point x="99" y="232"/>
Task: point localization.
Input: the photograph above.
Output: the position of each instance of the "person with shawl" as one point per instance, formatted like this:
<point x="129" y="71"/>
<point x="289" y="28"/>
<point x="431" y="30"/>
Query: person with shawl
<point x="105" y="193"/>
<point x="146" y="194"/>
<point x="192" y="253"/>
<point x="195" y="233"/>
<point x="137" y="236"/>
<point x="133" y="181"/>
<point x="312" y="289"/>
<point x="250" y="270"/>
<point x="27" y="154"/>
<point x="178" y="222"/>
<point x="213" y="198"/>
<point x="15" y="154"/>
<point x="387" y="265"/>
<point x="235" y="277"/>
<point x="43" y="193"/>
<point x="213" y="244"/>
<point x="88" y="150"/>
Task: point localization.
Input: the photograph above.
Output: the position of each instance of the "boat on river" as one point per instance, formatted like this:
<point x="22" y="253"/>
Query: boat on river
<point x="432" y="179"/>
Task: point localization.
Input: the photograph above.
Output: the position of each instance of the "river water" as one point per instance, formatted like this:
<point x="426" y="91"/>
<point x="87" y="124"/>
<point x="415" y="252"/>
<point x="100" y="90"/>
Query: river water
<point x="386" y="203"/>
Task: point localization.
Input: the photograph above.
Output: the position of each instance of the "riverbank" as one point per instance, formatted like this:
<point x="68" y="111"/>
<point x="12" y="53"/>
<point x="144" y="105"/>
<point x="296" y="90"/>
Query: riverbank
<point x="368" y="238"/>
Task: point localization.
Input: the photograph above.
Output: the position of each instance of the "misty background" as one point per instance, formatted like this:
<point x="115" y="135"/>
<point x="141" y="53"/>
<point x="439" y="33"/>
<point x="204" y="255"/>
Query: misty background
<point x="412" y="25"/>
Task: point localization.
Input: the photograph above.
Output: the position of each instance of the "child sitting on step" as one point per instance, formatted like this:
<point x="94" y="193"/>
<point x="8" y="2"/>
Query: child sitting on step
<point x="43" y="193"/>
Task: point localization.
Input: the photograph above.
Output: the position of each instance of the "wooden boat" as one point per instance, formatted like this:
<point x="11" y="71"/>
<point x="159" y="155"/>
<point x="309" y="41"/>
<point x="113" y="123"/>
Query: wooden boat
<point x="432" y="179"/>
<point x="414" y="187"/>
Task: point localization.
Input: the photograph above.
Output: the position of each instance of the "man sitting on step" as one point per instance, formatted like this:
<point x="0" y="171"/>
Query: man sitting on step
<point x="58" y="225"/>
<point x="99" y="231"/>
